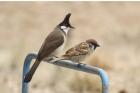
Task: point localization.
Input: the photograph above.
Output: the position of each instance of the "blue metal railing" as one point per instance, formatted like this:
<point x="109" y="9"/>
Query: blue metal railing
<point x="67" y="64"/>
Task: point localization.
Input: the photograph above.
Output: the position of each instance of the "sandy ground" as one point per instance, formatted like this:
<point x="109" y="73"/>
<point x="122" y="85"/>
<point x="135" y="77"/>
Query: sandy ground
<point x="116" y="26"/>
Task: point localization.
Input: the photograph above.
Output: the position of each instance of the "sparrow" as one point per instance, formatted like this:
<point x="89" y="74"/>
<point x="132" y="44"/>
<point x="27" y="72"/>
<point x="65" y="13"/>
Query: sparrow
<point x="79" y="52"/>
<point x="52" y="46"/>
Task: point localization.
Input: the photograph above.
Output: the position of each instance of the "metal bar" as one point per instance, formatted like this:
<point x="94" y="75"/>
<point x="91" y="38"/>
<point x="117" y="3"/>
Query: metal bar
<point x="26" y="66"/>
<point x="85" y="68"/>
<point x="71" y="65"/>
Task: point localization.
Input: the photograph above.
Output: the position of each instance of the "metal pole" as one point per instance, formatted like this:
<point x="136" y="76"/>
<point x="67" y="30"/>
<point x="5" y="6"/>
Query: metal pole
<point x="26" y="66"/>
<point x="71" y="65"/>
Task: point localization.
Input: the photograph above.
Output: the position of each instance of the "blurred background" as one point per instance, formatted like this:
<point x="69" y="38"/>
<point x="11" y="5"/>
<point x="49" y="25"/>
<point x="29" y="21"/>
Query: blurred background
<point x="115" y="25"/>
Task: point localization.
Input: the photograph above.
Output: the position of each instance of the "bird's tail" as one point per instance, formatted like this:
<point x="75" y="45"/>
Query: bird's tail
<point x="30" y="74"/>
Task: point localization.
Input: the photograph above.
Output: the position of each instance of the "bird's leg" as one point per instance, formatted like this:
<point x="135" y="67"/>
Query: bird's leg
<point x="50" y="58"/>
<point x="55" y="56"/>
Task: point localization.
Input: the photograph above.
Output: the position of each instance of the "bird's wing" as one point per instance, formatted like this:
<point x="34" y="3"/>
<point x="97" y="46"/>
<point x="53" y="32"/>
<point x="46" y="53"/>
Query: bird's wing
<point x="51" y="43"/>
<point x="79" y="49"/>
<point x="72" y="52"/>
<point x="83" y="48"/>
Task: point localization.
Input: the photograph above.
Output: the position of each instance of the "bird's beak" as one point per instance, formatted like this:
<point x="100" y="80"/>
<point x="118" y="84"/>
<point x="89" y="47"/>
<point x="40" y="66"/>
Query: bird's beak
<point x="98" y="45"/>
<point x="67" y="22"/>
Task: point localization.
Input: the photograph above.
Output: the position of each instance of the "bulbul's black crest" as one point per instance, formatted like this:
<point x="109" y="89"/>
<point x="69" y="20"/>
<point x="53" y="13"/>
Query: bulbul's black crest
<point x="66" y="21"/>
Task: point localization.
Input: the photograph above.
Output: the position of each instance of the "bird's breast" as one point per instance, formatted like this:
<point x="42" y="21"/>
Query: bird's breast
<point x="60" y="50"/>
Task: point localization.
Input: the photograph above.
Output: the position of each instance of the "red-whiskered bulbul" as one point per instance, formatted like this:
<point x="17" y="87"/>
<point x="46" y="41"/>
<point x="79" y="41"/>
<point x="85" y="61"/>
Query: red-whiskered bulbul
<point x="52" y="45"/>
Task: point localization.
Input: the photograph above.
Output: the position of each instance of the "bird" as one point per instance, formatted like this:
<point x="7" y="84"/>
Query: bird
<point x="79" y="52"/>
<point x="52" y="46"/>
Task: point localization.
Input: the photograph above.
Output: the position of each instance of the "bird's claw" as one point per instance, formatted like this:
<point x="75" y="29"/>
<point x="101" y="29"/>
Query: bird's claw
<point x="79" y="64"/>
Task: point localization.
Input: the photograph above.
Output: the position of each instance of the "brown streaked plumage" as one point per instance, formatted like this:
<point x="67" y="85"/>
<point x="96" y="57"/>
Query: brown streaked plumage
<point x="52" y="45"/>
<point x="79" y="52"/>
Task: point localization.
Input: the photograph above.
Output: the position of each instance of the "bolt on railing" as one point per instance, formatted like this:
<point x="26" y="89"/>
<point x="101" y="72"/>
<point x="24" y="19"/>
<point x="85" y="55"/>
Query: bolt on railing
<point x="68" y="64"/>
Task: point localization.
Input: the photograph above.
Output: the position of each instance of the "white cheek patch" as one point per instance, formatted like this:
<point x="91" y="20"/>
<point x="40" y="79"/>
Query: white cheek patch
<point x="93" y="47"/>
<point x="65" y="29"/>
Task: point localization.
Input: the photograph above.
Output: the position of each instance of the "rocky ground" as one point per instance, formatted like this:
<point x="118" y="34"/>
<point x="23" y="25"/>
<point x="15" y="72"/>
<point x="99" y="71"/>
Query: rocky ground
<point x="116" y="25"/>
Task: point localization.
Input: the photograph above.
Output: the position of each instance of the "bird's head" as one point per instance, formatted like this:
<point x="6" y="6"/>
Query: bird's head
<point x="65" y="24"/>
<point x="93" y="43"/>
